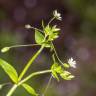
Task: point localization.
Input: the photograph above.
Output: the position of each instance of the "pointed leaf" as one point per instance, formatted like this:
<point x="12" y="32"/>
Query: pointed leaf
<point x="38" y="37"/>
<point x="10" y="70"/>
<point x="29" y="89"/>
<point x="66" y="65"/>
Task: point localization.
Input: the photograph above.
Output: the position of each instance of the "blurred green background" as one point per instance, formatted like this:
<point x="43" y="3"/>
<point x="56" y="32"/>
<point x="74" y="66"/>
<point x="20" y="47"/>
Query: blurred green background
<point x="77" y="40"/>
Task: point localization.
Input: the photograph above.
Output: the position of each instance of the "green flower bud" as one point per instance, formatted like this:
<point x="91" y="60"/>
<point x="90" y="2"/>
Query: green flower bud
<point x="66" y="65"/>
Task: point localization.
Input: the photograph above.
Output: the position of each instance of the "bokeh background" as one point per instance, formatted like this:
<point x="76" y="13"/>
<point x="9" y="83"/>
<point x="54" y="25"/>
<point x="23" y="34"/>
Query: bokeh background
<point x="77" y="39"/>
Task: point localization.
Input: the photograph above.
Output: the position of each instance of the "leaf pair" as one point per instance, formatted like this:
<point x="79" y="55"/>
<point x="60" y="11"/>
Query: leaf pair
<point x="11" y="72"/>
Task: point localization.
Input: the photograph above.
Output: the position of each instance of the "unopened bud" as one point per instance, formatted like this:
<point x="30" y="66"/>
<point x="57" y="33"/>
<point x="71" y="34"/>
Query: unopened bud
<point x="28" y="26"/>
<point x="5" y="49"/>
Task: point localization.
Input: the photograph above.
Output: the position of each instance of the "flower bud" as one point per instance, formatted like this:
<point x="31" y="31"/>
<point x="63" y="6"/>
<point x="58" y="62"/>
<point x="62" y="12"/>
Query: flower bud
<point x="28" y="26"/>
<point x="5" y="49"/>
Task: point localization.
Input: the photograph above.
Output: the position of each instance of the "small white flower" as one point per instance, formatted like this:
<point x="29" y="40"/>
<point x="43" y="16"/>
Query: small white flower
<point x="57" y="15"/>
<point x="72" y="63"/>
<point x="28" y="26"/>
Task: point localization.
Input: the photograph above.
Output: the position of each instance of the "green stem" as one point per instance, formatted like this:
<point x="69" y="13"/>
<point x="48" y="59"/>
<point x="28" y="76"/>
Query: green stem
<point x="51" y="20"/>
<point x="47" y="86"/>
<point x="56" y="54"/>
<point x="36" y="29"/>
<point x="30" y="62"/>
<point x="24" y="80"/>
<point x="23" y="45"/>
<point x="34" y="74"/>
<point x="12" y="90"/>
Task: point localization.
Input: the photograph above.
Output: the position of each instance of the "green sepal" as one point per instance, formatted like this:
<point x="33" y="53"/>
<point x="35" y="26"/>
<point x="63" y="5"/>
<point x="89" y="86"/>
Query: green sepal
<point x="66" y="75"/>
<point x="66" y="65"/>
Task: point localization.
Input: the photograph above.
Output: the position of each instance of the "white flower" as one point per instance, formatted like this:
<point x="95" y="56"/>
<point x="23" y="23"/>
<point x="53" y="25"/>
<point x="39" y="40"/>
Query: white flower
<point x="72" y="63"/>
<point x="57" y="15"/>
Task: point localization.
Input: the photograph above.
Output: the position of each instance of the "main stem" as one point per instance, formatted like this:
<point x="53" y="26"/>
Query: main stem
<point x="30" y="62"/>
<point x="25" y="70"/>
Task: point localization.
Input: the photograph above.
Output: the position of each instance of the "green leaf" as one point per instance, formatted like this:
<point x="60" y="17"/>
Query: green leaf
<point x="29" y="89"/>
<point x="38" y="37"/>
<point x="9" y="69"/>
<point x="5" y="49"/>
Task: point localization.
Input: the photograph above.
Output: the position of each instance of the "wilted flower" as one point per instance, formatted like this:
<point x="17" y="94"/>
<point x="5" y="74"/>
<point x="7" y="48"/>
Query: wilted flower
<point x="72" y="63"/>
<point x="57" y="15"/>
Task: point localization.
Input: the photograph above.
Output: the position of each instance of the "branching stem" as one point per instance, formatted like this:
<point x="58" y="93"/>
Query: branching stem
<point x="26" y="79"/>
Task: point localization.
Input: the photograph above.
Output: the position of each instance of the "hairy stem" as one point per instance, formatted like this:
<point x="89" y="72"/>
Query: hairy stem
<point x="30" y="62"/>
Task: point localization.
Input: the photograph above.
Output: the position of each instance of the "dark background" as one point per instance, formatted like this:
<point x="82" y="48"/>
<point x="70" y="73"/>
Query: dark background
<point x="77" y="40"/>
